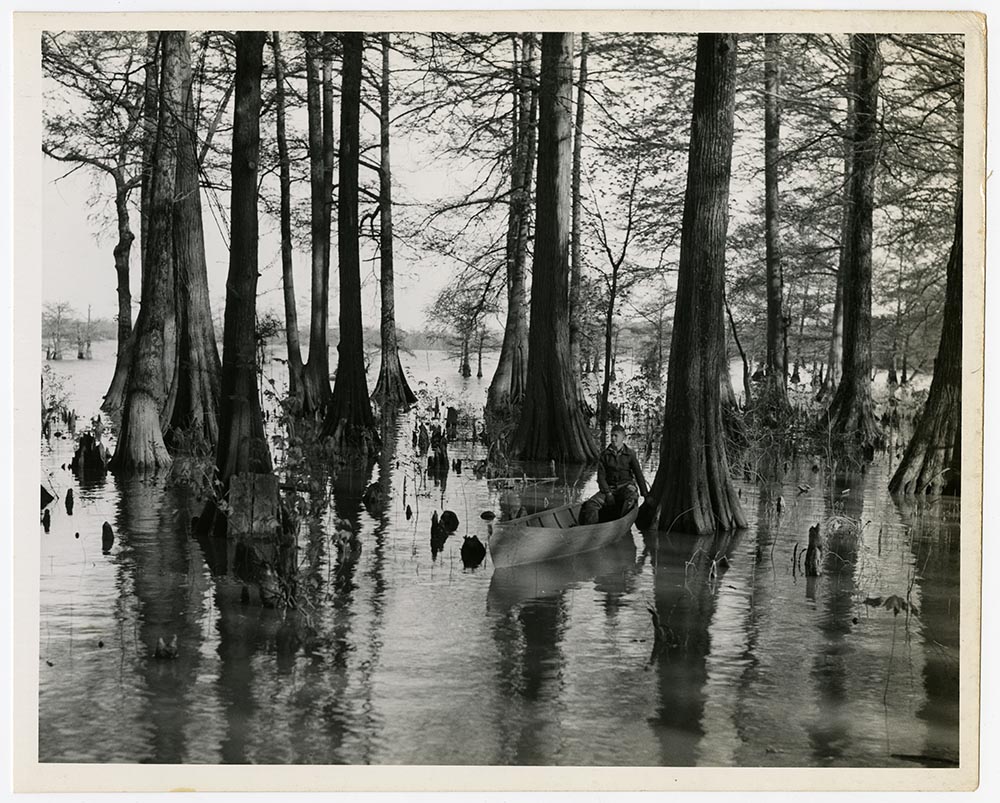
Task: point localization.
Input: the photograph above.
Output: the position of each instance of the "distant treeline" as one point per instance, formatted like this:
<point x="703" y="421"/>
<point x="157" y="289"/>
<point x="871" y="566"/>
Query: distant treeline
<point x="408" y="340"/>
<point x="70" y="325"/>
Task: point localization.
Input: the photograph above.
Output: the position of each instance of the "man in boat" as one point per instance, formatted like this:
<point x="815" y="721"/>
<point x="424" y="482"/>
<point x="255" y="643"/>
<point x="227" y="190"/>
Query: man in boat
<point x="619" y="480"/>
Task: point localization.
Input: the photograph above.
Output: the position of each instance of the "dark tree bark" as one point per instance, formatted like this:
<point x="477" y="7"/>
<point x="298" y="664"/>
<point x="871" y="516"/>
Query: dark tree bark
<point x="576" y="266"/>
<point x="551" y="425"/>
<point x="122" y="252"/>
<point x="777" y="366"/>
<point x="835" y="353"/>
<point x="327" y="42"/>
<point x="693" y="491"/>
<point x="140" y="441"/>
<point x="349" y="420"/>
<point x="747" y="390"/>
<point x="732" y="421"/>
<point x="508" y="384"/>
<point x="851" y="415"/>
<point x="242" y="444"/>
<point x="609" y="327"/>
<point x="115" y="397"/>
<point x="897" y="327"/>
<point x="295" y="365"/>
<point x="192" y="402"/>
<point x="796" y="377"/>
<point x="392" y="390"/>
<point x="932" y="461"/>
<point x="316" y="374"/>
<point x="150" y="115"/>
<point x="465" y="369"/>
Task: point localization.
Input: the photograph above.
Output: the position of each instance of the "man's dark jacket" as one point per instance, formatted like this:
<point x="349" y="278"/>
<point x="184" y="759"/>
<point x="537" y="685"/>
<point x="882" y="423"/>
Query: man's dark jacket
<point x="615" y="469"/>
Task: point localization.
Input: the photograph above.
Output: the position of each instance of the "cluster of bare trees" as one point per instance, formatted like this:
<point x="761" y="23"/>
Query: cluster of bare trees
<point x="577" y="204"/>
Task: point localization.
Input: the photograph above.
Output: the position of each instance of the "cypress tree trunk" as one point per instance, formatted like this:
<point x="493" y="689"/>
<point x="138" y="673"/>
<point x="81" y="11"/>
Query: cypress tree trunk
<point x="295" y="365"/>
<point x="551" y="425"/>
<point x="349" y="420"/>
<point x="122" y="250"/>
<point x="777" y="366"/>
<point x="316" y="374"/>
<point x="115" y="397"/>
<point x="150" y="126"/>
<point x="693" y="491"/>
<point x="747" y="389"/>
<point x="530" y="139"/>
<point x="932" y="461"/>
<point x="193" y="399"/>
<point x="507" y="386"/>
<point x="609" y="320"/>
<point x="835" y="354"/>
<point x="392" y="389"/>
<point x="575" y="236"/>
<point x="140" y="441"/>
<point x="242" y="445"/>
<point x="796" y="377"/>
<point x="464" y="368"/>
<point x="851" y="413"/>
<point x="328" y="156"/>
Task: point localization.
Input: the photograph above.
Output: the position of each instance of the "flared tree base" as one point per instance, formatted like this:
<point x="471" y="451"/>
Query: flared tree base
<point x="350" y="441"/>
<point x="140" y="444"/>
<point x="392" y="391"/>
<point x="932" y="461"/>
<point x="850" y="423"/>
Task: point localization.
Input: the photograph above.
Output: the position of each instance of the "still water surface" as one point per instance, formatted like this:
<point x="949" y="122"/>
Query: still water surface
<point x="406" y="657"/>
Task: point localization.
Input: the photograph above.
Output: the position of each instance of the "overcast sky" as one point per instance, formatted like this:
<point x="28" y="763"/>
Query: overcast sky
<point x="80" y="233"/>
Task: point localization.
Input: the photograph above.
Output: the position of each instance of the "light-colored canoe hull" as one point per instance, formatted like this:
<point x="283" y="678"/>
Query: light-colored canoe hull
<point x="552" y="534"/>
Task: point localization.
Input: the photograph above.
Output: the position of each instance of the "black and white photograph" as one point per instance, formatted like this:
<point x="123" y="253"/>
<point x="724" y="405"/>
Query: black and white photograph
<point x="498" y="391"/>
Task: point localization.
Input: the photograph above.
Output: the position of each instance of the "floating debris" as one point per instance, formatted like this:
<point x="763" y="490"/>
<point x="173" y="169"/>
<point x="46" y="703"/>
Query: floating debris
<point x="473" y="552"/>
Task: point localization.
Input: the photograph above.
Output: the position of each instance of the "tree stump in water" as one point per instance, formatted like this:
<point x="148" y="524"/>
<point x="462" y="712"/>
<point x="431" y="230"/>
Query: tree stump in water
<point x="254" y="507"/>
<point x="437" y="462"/>
<point x="91" y="456"/>
<point x="814" y="553"/>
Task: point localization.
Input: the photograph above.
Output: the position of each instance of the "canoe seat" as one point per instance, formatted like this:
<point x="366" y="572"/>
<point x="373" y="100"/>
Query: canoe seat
<point x="565" y="518"/>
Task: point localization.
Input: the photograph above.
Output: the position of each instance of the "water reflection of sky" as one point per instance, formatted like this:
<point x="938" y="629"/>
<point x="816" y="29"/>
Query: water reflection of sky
<point x="405" y="657"/>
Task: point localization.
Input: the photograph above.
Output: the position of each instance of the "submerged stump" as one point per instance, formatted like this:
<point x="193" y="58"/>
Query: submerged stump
<point x="254" y="507"/>
<point x="91" y="456"/>
<point x="814" y="552"/>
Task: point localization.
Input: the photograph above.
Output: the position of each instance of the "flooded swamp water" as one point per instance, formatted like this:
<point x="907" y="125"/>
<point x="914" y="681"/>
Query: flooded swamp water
<point x="403" y="656"/>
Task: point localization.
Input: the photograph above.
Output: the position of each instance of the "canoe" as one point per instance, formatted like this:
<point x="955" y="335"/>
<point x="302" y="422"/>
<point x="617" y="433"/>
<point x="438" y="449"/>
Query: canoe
<point x="552" y="534"/>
